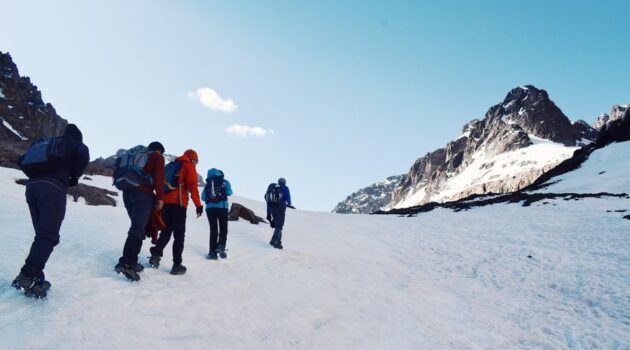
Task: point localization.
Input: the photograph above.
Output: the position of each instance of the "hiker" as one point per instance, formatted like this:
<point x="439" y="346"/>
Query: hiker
<point x="180" y="181"/>
<point x="52" y="166"/>
<point x="278" y="198"/>
<point x="139" y="198"/>
<point x="215" y="195"/>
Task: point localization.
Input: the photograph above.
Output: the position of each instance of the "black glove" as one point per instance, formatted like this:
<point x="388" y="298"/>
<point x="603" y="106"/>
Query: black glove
<point x="272" y="224"/>
<point x="269" y="217"/>
<point x="73" y="181"/>
<point x="199" y="210"/>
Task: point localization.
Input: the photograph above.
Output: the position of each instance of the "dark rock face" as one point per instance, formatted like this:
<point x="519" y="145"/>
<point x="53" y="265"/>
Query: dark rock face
<point x="369" y="199"/>
<point x="532" y="110"/>
<point x="24" y="115"/>
<point x="101" y="166"/>
<point x="585" y="131"/>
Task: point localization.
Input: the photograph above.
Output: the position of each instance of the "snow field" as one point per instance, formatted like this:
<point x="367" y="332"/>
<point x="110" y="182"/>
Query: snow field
<point x="441" y="280"/>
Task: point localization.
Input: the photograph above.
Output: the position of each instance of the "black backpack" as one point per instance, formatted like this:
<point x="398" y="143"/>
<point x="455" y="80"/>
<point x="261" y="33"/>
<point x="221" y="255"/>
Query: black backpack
<point x="215" y="189"/>
<point x="274" y="195"/>
<point x="45" y="156"/>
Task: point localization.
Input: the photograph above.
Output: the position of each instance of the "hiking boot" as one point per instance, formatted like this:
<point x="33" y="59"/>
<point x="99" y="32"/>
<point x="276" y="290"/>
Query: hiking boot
<point x="138" y="268"/>
<point x="32" y="286"/>
<point x="221" y="252"/>
<point x="212" y="256"/>
<point x="128" y="270"/>
<point x="154" y="261"/>
<point x="272" y="243"/>
<point x="178" y="270"/>
<point x="278" y="245"/>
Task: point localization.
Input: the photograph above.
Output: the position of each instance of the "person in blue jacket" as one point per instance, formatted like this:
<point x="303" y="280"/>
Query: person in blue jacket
<point x="215" y="195"/>
<point x="276" y="209"/>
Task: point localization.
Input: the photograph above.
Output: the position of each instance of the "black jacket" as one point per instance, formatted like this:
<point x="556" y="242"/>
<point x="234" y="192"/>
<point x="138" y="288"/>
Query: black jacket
<point x="77" y="161"/>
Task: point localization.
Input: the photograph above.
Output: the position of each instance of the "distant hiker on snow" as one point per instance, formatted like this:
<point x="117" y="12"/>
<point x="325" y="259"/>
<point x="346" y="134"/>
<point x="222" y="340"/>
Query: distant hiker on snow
<point x="278" y="198"/>
<point x="52" y="165"/>
<point x="138" y="173"/>
<point x="180" y="180"/>
<point x="215" y="195"/>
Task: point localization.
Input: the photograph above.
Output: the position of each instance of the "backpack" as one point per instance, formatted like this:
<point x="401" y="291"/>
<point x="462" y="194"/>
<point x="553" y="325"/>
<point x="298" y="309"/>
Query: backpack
<point x="45" y="156"/>
<point x="274" y="195"/>
<point x="171" y="176"/>
<point x="215" y="189"/>
<point x="129" y="169"/>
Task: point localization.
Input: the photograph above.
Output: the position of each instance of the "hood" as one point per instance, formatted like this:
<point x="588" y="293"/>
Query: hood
<point x="192" y="155"/>
<point x="74" y="132"/>
<point x="188" y="156"/>
<point x="214" y="172"/>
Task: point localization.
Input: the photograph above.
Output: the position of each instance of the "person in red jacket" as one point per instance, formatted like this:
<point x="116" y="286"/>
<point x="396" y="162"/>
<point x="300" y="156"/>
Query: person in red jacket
<point x="138" y="202"/>
<point x="175" y="204"/>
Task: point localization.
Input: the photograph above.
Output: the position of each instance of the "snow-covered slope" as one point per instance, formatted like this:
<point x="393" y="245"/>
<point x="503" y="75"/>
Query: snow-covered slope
<point x="499" y="277"/>
<point x="509" y="171"/>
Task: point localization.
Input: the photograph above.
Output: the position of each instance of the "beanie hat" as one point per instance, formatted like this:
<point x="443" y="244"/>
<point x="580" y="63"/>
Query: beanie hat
<point x="156" y="146"/>
<point x="192" y="155"/>
<point x="282" y="181"/>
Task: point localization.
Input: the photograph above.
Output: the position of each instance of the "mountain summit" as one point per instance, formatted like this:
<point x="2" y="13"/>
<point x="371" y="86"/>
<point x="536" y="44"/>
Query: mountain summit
<point x="518" y="140"/>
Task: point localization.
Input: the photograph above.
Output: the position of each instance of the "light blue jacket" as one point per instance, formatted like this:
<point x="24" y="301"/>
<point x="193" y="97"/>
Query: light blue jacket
<point x="228" y="190"/>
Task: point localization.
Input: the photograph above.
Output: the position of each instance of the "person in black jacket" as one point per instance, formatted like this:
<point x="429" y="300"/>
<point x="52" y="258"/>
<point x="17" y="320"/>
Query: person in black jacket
<point x="46" y="197"/>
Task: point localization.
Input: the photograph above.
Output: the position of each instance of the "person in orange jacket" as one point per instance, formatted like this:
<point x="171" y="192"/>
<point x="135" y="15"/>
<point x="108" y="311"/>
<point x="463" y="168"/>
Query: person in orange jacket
<point x="174" y="212"/>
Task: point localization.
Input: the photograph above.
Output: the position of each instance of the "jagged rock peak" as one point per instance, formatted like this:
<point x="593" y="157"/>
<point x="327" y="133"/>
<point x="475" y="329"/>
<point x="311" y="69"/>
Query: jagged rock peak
<point x="369" y="199"/>
<point x="532" y="110"/>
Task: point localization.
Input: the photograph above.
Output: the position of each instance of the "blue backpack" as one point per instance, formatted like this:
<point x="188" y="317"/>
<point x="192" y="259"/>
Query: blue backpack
<point x="215" y="189"/>
<point x="274" y="195"/>
<point x="129" y="169"/>
<point x="45" y="156"/>
<point x="171" y="176"/>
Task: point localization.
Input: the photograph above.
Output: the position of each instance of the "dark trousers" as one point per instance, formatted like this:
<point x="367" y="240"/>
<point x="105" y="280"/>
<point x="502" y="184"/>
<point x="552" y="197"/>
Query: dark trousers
<point x="278" y="221"/>
<point x="47" y="204"/>
<point x="138" y="204"/>
<point x="175" y="221"/>
<point x="218" y="220"/>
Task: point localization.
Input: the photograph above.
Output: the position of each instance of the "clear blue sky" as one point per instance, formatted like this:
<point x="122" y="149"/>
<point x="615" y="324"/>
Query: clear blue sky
<point x="354" y="91"/>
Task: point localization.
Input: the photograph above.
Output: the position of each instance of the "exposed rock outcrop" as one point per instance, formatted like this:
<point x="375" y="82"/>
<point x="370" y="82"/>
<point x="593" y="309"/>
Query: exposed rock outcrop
<point x="369" y="199"/>
<point x="24" y="117"/>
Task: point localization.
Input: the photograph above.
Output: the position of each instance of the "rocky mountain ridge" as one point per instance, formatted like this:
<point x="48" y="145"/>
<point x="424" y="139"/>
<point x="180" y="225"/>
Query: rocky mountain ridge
<point x="26" y="118"/>
<point x="23" y="114"/>
<point x="516" y="142"/>
<point x="371" y="198"/>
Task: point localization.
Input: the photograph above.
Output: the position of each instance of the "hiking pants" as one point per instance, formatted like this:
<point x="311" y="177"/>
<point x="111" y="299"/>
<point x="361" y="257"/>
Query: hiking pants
<point x="175" y="220"/>
<point x="278" y="221"/>
<point x="47" y="204"/>
<point x="138" y="204"/>
<point x="218" y="220"/>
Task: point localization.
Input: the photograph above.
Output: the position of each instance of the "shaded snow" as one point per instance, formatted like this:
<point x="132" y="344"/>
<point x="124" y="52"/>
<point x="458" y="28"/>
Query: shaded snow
<point x="442" y="280"/>
<point x="602" y="172"/>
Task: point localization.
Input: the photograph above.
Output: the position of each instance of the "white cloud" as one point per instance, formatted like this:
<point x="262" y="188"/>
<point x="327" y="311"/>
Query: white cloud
<point x="245" y="131"/>
<point x="212" y="100"/>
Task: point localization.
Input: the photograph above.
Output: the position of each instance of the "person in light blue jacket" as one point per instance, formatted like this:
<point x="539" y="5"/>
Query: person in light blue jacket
<point x="216" y="194"/>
